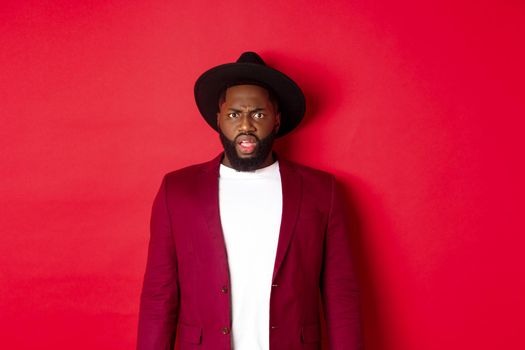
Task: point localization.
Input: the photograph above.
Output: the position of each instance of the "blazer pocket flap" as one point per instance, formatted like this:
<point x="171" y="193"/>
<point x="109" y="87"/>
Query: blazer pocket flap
<point x="190" y="334"/>
<point x="311" y="333"/>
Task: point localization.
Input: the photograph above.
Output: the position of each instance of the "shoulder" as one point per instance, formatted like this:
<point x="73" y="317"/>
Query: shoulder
<point x="186" y="179"/>
<point x="309" y="174"/>
<point x="189" y="172"/>
<point x="319" y="187"/>
<point x="183" y="182"/>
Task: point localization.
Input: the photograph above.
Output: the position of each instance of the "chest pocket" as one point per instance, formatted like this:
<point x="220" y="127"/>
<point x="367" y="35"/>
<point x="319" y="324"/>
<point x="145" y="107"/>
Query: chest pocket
<point x="311" y="224"/>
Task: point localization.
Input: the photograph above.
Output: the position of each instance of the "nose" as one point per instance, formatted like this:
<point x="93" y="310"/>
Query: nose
<point x="246" y="124"/>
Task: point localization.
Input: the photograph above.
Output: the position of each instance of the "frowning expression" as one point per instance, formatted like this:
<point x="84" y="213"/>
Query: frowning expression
<point x="247" y="115"/>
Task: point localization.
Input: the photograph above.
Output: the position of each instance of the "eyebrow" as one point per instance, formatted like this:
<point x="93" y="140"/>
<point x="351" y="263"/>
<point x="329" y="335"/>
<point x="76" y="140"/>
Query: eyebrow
<point x="258" y="109"/>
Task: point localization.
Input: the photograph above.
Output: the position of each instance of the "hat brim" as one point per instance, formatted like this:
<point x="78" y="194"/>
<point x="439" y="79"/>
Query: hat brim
<point x="211" y="83"/>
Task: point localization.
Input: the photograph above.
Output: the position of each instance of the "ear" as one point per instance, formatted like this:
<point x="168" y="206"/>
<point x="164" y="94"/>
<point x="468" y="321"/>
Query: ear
<point x="218" y="118"/>
<point x="277" y="122"/>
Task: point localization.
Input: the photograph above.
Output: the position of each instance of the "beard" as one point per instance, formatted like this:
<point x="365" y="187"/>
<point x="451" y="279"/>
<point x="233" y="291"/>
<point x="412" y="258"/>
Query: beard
<point x="259" y="156"/>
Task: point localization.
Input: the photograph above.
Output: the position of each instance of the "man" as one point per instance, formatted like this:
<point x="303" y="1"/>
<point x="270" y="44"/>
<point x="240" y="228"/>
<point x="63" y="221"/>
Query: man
<point x="242" y="246"/>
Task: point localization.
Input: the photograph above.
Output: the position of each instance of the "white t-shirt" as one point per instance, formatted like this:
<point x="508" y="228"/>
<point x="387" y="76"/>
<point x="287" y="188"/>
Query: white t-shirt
<point x="250" y="210"/>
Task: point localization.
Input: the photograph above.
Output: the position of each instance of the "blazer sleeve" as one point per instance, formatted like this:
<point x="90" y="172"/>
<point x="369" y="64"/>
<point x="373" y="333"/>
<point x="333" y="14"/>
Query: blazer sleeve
<point x="159" y="302"/>
<point x="338" y="282"/>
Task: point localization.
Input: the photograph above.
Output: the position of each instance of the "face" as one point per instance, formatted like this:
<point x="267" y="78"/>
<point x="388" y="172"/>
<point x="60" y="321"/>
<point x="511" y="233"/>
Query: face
<point x="248" y="122"/>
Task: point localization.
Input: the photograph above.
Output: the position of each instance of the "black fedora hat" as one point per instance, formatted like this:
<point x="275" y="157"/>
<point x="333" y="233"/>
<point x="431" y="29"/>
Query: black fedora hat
<point x="250" y="68"/>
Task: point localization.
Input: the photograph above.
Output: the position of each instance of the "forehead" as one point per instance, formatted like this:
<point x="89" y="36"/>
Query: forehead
<point x="247" y="94"/>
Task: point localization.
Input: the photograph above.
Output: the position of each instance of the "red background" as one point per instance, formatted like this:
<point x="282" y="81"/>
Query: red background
<point x="417" y="107"/>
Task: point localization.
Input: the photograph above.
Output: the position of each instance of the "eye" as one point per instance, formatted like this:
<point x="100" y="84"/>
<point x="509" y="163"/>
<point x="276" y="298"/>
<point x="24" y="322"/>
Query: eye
<point x="232" y="115"/>
<point x="258" y="115"/>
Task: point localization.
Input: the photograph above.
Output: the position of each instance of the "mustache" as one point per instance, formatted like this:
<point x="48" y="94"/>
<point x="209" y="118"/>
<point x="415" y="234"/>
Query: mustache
<point x="263" y="148"/>
<point x="246" y="134"/>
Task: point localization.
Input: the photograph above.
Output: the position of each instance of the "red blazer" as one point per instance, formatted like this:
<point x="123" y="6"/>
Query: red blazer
<point x="186" y="284"/>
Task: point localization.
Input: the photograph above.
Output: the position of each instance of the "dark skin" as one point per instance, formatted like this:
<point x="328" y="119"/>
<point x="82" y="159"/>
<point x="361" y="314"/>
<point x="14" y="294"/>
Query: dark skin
<point x="247" y="110"/>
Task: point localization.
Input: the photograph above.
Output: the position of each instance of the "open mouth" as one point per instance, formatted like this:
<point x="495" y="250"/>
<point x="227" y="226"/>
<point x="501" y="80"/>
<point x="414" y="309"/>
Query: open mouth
<point x="246" y="143"/>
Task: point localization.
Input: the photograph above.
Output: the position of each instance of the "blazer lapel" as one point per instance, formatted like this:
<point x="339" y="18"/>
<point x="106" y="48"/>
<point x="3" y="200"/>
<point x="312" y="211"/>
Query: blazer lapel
<point x="292" y="195"/>
<point x="207" y="195"/>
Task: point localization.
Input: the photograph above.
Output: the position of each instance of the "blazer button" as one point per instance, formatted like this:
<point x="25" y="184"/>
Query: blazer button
<point x="275" y="285"/>
<point x="224" y="289"/>
<point x="225" y="330"/>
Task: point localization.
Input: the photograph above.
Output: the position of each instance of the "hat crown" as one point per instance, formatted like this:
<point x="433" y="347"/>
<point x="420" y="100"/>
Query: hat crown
<point x="251" y="57"/>
<point x="250" y="68"/>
